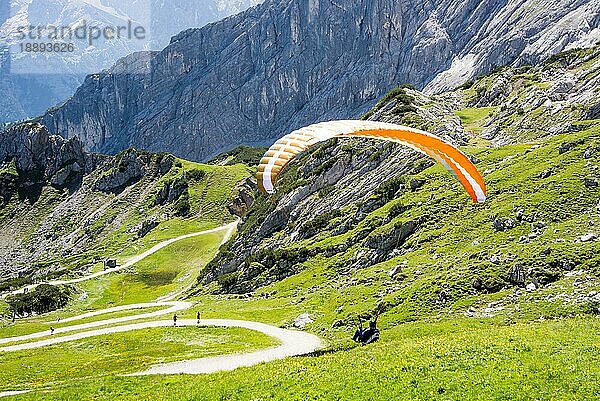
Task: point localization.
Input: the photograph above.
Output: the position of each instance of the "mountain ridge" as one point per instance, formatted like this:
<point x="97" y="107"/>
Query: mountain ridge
<point x="253" y="77"/>
<point x="63" y="210"/>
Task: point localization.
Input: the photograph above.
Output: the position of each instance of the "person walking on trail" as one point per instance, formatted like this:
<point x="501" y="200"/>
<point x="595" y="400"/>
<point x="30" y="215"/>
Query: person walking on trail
<point x="51" y="330"/>
<point x="198" y="318"/>
<point x="175" y="319"/>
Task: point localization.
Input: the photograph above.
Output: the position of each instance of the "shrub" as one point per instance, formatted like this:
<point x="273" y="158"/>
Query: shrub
<point x="227" y="280"/>
<point x="182" y="206"/>
<point x="390" y="187"/>
<point x="311" y="227"/>
<point x="43" y="299"/>
<point x="195" y="175"/>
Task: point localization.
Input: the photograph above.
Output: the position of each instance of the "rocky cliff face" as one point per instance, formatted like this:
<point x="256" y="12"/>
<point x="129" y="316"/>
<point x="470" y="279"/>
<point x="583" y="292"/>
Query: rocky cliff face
<point x="284" y="64"/>
<point x="42" y="159"/>
<point x="350" y="205"/>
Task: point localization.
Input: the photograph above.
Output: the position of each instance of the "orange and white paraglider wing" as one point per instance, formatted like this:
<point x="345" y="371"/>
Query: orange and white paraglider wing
<point x="290" y="146"/>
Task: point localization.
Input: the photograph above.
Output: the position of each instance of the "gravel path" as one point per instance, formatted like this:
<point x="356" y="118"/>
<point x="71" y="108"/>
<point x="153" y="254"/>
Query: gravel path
<point x="173" y="307"/>
<point x="293" y="343"/>
<point x="228" y="227"/>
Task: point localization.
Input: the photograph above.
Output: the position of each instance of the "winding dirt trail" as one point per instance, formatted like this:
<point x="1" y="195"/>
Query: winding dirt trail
<point x="229" y="228"/>
<point x="293" y="343"/>
<point x="173" y="308"/>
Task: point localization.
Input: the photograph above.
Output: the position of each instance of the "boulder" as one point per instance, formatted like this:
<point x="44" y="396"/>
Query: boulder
<point x="560" y="89"/>
<point x="517" y="275"/>
<point x="301" y="321"/>
<point x="416" y="184"/>
<point x="589" y="153"/>
<point x="145" y="227"/>
<point x="565" y="147"/>
<point x="504" y="224"/>
<point x="443" y="297"/>
<point x="588" y="237"/>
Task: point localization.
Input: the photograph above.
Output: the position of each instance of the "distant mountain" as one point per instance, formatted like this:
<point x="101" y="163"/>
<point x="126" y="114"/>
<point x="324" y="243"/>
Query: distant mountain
<point x="33" y="82"/>
<point x="286" y="63"/>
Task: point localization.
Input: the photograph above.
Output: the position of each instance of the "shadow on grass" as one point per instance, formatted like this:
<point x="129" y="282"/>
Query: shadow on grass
<point x="347" y="346"/>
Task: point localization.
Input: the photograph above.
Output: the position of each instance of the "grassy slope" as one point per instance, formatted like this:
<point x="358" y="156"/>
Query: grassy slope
<point x="455" y="244"/>
<point x="454" y="360"/>
<point x="171" y="269"/>
<point x="113" y="230"/>
<point x="168" y="270"/>
<point x="436" y="353"/>
<point x="519" y="344"/>
<point x="208" y="200"/>
<point x="121" y="353"/>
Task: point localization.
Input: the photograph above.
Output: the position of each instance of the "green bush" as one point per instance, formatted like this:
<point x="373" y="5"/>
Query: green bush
<point x="227" y="280"/>
<point x="195" y="175"/>
<point x="311" y="227"/>
<point x="43" y="299"/>
<point x="15" y="283"/>
<point x="389" y="188"/>
<point x="182" y="206"/>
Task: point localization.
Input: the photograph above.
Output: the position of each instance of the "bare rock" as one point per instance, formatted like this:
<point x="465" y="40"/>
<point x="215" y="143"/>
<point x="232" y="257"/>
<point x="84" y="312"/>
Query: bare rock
<point x="246" y="194"/>
<point x="504" y="224"/>
<point x="565" y="147"/>
<point x="588" y="237"/>
<point x="303" y="320"/>
<point x="126" y="170"/>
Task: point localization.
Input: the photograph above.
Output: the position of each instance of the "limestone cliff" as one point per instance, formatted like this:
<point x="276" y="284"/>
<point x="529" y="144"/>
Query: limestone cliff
<point x="286" y="63"/>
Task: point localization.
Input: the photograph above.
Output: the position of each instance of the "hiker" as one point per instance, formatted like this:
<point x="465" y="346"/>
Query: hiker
<point x="198" y="318"/>
<point x="175" y="319"/>
<point x="51" y="330"/>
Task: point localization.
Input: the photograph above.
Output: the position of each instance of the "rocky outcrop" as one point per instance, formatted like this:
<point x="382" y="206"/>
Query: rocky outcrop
<point x="40" y="158"/>
<point x="344" y="194"/>
<point x="171" y="191"/>
<point x="127" y="171"/>
<point x="57" y="201"/>
<point x="246" y="194"/>
<point x="283" y="64"/>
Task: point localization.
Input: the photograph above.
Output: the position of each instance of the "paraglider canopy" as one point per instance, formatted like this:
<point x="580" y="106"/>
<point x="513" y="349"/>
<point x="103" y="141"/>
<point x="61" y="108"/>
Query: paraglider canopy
<point x="291" y="145"/>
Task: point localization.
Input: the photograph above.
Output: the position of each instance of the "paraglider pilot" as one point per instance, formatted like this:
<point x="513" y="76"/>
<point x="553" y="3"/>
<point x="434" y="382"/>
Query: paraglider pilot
<point x="366" y="335"/>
